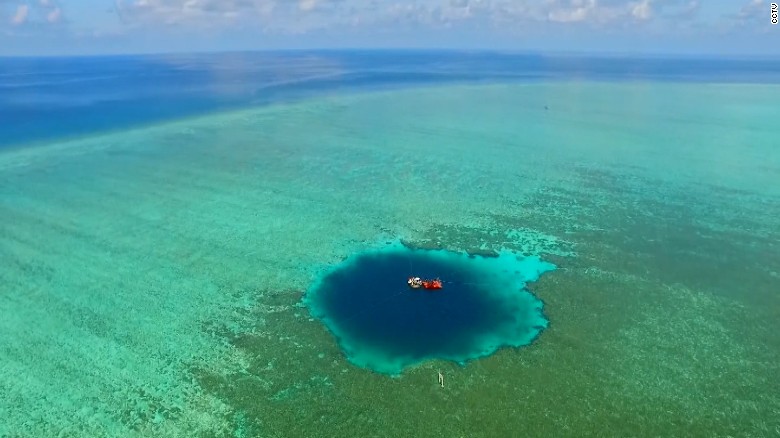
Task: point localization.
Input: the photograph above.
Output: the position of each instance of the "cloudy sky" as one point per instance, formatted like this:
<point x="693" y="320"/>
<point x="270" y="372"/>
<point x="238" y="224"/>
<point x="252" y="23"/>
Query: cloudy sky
<point x="63" y="27"/>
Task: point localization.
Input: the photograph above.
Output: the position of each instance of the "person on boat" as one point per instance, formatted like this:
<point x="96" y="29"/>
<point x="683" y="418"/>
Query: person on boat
<point x="415" y="282"/>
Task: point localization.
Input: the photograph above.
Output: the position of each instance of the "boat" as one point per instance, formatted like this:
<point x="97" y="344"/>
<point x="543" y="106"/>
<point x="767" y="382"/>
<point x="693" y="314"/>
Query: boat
<point x="417" y="283"/>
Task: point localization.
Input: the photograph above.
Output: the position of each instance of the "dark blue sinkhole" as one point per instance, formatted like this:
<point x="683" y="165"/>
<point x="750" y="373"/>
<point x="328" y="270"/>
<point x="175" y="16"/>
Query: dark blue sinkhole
<point x="383" y="325"/>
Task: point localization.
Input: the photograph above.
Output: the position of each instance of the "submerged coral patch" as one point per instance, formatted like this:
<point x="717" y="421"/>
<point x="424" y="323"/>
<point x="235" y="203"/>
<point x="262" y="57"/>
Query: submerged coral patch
<point x="384" y="325"/>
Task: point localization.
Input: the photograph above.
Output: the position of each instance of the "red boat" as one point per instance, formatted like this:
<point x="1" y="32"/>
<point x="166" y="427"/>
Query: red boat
<point x="416" y="283"/>
<point x="432" y="284"/>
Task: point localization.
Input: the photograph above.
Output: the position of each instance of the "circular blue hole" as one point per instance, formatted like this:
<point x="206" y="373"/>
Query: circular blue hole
<point x="384" y="325"/>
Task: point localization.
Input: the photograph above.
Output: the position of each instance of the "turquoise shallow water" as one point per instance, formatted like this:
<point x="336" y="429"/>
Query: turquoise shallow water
<point x="153" y="278"/>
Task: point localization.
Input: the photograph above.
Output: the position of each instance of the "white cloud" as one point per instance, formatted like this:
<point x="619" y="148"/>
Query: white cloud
<point x="301" y="16"/>
<point x="584" y="12"/>
<point x="577" y="10"/>
<point x="751" y="17"/>
<point x="642" y="10"/>
<point x="30" y="14"/>
<point x="753" y="8"/>
<point x="507" y="14"/>
<point x="209" y="13"/>
<point x="21" y="15"/>
<point x="54" y="15"/>
<point x="339" y="22"/>
<point x="456" y="10"/>
<point x="307" y="5"/>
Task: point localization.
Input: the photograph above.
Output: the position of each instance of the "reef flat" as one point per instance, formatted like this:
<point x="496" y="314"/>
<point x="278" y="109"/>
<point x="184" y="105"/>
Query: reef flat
<point x="153" y="279"/>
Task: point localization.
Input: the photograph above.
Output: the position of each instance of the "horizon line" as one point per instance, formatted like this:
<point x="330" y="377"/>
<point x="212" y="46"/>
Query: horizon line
<point x="507" y="52"/>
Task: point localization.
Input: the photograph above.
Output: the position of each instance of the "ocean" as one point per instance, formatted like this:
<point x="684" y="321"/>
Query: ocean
<point x="163" y="218"/>
<point x="52" y="98"/>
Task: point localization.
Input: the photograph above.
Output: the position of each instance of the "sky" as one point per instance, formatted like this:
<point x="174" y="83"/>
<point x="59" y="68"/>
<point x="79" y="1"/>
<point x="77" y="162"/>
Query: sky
<point x="84" y="27"/>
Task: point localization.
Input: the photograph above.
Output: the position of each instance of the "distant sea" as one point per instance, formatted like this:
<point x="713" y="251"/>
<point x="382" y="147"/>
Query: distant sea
<point x="55" y="98"/>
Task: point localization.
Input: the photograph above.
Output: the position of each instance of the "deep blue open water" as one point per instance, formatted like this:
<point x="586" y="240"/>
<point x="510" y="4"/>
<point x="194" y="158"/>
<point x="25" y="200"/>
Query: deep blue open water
<point x="384" y="325"/>
<point x="50" y="98"/>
